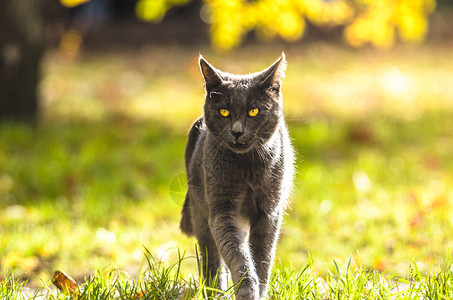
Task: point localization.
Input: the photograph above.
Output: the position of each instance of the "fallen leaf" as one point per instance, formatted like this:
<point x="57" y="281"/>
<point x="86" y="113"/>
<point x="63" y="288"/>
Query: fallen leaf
<point x="65" y="283"/>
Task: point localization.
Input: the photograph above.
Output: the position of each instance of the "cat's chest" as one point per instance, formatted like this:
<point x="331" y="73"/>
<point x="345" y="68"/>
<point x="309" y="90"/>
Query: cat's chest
<point x="254" y="168"/>
<point x="244" y="168"/>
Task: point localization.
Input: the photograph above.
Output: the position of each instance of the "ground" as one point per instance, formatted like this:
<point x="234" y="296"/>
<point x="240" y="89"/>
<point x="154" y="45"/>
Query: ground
<point x="102" y="176"/>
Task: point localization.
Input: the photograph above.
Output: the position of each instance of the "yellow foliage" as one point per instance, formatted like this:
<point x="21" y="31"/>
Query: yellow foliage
<point x="291" y="26"/>
<point x="72" y="3"/>
<point x="376" y="22"/>
<point x="412" y="27"/>
<point x="154" y="10"/>
<point x="330" y="13"/>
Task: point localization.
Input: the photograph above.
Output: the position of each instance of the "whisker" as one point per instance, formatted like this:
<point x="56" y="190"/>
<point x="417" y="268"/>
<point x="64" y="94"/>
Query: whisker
<point x="218" y="148"/>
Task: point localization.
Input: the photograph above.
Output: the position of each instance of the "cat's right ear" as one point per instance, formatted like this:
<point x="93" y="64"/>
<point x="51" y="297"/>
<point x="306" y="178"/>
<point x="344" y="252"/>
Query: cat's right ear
<point x="210" y="74"/>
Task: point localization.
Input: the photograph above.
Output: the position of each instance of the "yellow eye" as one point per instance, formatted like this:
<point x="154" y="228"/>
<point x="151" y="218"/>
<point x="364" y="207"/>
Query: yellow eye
<point x="253" y="112"/>
<point x="224" y="112"/>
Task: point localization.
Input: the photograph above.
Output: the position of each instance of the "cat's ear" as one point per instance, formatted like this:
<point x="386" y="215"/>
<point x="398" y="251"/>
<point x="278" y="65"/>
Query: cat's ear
<point x="210" y="74"/>
<point x="272" y="76"/>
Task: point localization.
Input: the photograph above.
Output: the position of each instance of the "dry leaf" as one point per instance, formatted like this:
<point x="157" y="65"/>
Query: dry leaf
<point x="64" y="282"/>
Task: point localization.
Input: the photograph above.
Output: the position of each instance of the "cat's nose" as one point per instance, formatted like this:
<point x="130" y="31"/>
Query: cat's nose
<point x="237" y="129"/>
<point x="237" y="134"/>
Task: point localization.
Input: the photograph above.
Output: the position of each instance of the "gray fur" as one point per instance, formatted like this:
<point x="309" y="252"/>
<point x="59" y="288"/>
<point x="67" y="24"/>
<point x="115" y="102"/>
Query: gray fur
<point x="244" y="183"/>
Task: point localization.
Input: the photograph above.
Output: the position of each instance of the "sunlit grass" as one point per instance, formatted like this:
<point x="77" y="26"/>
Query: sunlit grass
<point x="92" y="184"/>
<point x="163" y="280"/>
<point x="164" y="83"/>
<point x="97" y="197"/>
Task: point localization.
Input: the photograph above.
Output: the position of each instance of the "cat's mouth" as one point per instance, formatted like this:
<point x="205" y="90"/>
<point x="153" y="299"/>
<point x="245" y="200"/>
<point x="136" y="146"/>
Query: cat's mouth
<point x="239" y="146"/>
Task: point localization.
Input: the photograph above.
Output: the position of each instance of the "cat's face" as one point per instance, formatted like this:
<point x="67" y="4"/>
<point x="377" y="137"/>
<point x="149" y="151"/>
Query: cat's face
<point x="242" y="111"/>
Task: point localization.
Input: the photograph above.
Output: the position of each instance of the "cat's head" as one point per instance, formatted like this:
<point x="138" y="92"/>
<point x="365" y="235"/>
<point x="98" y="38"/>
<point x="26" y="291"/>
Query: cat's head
<point x="243" y="111"/>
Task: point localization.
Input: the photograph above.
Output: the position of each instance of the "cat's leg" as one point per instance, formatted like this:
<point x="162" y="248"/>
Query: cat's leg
<point x="263" y="241"/>
<point x="233" y="247"/>
<point x="212" y="261"/>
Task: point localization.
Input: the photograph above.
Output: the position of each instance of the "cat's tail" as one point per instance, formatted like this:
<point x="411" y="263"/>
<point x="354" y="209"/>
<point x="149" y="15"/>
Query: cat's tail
<point x="186" y="218"/>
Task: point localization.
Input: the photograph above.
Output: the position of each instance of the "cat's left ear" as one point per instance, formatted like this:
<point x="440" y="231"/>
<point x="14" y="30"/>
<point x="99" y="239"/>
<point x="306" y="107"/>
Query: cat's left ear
<point x="210" y="74"/>
<point x="272" y="76"/>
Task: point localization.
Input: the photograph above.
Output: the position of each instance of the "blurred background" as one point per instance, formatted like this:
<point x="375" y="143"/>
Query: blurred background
<point x="96" y="98"/>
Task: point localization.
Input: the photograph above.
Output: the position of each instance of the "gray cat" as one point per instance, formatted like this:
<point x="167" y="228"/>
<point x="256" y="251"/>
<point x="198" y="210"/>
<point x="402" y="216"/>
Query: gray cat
<point x="239" y="163"/>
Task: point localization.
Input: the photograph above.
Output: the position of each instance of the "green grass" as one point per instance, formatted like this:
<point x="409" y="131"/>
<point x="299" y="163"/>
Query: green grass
<point x="161" y="280"/>
<point x="81" y="197"/>
<point x="101" y="176"/>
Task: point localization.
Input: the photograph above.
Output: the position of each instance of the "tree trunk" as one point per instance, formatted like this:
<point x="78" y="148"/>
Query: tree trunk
<point x="21" y="49"/>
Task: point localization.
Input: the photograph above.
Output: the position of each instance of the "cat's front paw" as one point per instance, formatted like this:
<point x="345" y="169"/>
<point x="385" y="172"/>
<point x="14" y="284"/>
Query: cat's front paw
<point x="248" y="290"/>
<point x="247" y="294"/>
